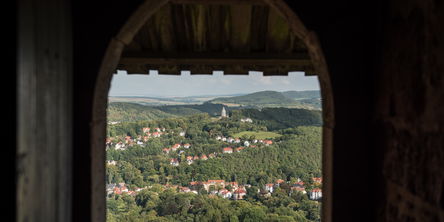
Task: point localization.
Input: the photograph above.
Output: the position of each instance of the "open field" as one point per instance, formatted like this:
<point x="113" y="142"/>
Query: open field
<point x="258" y="134"/>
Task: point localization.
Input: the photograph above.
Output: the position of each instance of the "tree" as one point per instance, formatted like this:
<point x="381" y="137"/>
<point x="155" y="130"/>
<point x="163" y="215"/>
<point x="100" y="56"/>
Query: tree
<point x="252" y="214"/>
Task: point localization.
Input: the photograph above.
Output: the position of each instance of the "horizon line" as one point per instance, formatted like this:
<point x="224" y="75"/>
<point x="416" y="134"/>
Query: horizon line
<point x="231" y="94"/>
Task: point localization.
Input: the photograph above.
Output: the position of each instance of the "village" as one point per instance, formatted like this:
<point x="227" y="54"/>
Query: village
<point x="227" y="190"/>
<point x="128" y="141"/>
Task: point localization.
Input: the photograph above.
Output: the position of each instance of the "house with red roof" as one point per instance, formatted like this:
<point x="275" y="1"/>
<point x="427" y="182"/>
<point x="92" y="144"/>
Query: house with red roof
<point x="227" y="150"/>
<point x="184" y="189"/>
<point x="196" y="158"/>
<point x="166" y="150"/>
<point x="127" y="139"/>
<point x="174" y="162"/>
<point x="239" y="149"/>
<point x="315" y="194"/>
<point x="317" y="180"/>
<point x="175" y="147"/>
<point x="189" y="160"/>
<point x="299" y="183"/>
<point x="269" y="187"/>
<point x="224" y="193"/>
<point x="146" y="130"/>
<point x="186" y="145"/>
<point x="124" y="189"/>
<point x="239" y="193"/>
<point x="267" y="142"/>
<point x="204" y="157"/>
<point x="279" y="181"/>
<point x="298" y="189"/>
<point x="117" y="191"/>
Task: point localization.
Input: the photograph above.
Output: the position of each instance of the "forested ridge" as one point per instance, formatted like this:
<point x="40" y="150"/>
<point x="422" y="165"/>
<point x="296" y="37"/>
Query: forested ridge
<point x="293" y="154"/>
<point x="290" y="99"/>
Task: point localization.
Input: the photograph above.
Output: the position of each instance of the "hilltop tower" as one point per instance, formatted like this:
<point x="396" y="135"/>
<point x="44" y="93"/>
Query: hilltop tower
<point x="223" y="114"/>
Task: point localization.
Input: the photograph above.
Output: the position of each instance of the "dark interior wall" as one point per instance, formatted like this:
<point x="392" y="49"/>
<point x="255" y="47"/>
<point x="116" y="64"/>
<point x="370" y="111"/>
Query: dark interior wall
<point x="410" y="112"/>
<point x="94" y="24"/>
<point x="349" y="34"/>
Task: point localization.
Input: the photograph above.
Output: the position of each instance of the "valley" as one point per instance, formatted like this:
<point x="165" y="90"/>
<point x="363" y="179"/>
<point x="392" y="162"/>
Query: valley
<point x="212" y="162"/>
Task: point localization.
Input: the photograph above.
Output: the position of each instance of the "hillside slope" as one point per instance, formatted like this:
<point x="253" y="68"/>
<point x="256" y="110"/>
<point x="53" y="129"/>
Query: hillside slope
<point x="132" y="112"/>
<point x="308" y="94"/>
<point x="258" y="98"/>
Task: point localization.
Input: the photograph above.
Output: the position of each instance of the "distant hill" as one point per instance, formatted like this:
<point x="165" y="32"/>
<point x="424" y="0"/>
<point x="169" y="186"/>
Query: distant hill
<point x="310" y="98"/>
<point x="281" y="118"/>
<point x="290" y="99"/>
<point x="257" y="98"/>
<point x="132" y="112"/>
<point x="137" y="110"/>
<point x="308" y="94"/>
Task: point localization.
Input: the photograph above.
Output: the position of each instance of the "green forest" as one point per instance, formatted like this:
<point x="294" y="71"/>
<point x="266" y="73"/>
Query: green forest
<point x="289" y="99"/>
<point x="293" y="154"/>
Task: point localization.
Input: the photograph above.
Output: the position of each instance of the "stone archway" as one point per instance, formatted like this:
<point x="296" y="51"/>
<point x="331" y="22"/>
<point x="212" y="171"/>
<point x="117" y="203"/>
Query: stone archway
<point x="111" y="61"/>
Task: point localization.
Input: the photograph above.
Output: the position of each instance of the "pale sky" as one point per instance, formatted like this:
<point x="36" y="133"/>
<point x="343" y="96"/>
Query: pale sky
<point x="154" y="85"/>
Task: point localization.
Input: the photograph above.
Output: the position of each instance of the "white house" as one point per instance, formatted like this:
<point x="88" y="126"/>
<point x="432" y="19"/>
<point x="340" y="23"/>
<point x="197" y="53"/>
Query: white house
<point x="224" y="193"/>
<point x="316" y="194"/>
<point x="246" y="120"/>
<point x="111" y="162"/>
<point x="269" y="187"/>
<point x="120" y="146"/>
<point x="246" y="143"/>
<point x="189" y="160"/>
<point x="174" y="162"/>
